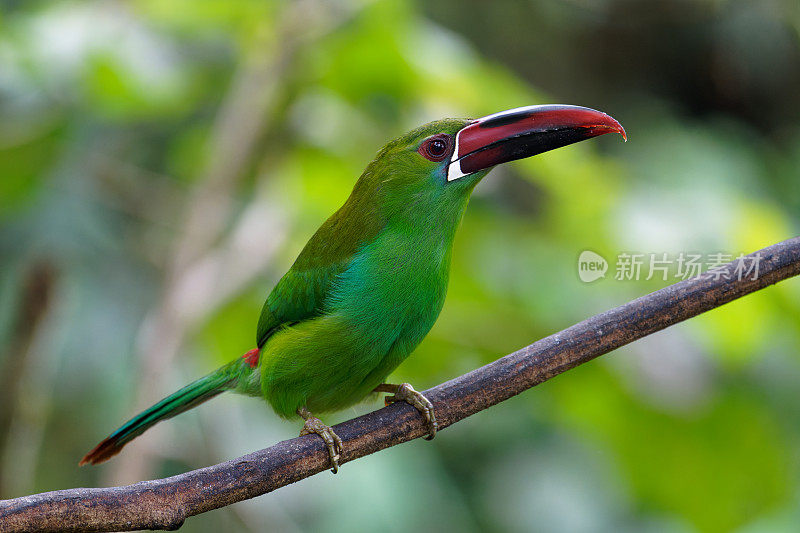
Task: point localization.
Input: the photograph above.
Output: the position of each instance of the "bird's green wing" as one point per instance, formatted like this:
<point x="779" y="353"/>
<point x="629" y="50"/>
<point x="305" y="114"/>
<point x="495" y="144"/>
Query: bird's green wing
<point x="303" y="290"/>
<point x="298" y="296"/>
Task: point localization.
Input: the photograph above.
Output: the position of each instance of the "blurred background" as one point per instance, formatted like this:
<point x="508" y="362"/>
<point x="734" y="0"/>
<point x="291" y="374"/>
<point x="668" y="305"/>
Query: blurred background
<point x="162" y="163"/>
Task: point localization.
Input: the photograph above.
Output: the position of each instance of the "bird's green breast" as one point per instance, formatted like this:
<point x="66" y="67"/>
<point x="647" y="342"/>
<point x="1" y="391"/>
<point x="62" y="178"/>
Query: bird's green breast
<point x="377" y="311"/>
<point x="393" y="290"/>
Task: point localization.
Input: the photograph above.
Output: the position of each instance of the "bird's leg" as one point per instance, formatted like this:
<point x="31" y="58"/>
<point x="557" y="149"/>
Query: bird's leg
<point x="332" y="440"/>
<point x="406" y="393"/>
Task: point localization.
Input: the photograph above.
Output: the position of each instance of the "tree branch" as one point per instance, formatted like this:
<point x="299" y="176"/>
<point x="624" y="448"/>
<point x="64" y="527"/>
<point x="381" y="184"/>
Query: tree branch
<point x="166" y="503"/>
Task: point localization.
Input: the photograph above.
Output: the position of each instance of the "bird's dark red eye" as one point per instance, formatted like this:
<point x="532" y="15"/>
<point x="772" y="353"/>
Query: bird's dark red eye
<point x="435" y="148"/>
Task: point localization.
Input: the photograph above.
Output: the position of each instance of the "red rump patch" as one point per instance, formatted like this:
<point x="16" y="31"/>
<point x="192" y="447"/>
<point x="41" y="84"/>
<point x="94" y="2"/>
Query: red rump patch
<point x="251" y="357"/>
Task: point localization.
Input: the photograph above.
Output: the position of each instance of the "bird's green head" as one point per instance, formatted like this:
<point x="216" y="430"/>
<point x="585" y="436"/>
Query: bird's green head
<point x="436" y="166"/>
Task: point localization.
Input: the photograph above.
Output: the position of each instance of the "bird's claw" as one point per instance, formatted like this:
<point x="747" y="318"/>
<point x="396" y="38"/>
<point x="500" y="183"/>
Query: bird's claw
<point x="406" y="393"/>
<point x="326" y="433"/>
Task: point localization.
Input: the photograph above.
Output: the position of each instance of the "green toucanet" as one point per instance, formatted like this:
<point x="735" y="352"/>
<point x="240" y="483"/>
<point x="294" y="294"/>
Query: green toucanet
<point x="370" y="283"/>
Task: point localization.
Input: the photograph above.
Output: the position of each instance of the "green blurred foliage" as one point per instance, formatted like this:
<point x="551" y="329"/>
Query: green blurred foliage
<point x="112" y="118"/>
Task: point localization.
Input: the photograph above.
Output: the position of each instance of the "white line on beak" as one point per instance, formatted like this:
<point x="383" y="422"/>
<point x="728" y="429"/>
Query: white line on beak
<point x="454" y="168"/>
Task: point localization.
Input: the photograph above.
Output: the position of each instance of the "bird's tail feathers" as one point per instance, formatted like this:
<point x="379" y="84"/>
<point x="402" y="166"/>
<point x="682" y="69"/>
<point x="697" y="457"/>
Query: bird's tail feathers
<point x="225" y="378"/>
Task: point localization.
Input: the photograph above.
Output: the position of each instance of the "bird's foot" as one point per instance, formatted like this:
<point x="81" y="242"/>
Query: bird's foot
<point x="326" y="433"/>
<point x="406" y="393"/>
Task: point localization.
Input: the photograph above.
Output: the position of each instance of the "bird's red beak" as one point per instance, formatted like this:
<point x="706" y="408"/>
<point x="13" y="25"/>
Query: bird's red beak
<point x="523" y="132"/>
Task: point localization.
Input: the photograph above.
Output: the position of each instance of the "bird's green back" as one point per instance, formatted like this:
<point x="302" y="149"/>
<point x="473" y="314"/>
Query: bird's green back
<point x="398" y="186"/>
